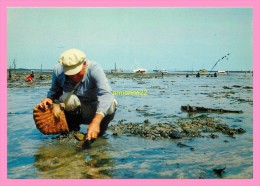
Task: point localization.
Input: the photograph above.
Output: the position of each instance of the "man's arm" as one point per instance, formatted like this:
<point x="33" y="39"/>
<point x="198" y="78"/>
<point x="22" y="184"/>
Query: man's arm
<point x="55" y="91"/>
<point x="105" y="100"/>
<point x="104" y="91"/>
<point x="94" y="127"/>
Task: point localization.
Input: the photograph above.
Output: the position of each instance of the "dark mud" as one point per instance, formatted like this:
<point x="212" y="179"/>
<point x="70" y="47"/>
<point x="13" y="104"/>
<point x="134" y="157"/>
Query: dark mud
<point x="184" y="128"/>
<point x="201" y="126"/>
<point x="195" y="109"/>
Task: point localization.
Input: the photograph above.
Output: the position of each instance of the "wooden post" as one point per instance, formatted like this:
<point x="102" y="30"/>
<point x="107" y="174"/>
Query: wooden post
<point x="10" y="73"/>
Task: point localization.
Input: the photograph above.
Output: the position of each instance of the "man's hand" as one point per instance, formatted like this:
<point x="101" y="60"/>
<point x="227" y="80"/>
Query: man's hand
<point x="94" y="127"/>
<point x="45" y="102"/>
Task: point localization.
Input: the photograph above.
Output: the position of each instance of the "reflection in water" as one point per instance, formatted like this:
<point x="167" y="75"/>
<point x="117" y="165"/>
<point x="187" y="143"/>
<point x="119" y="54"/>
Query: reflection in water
<point x="57" y="159"/>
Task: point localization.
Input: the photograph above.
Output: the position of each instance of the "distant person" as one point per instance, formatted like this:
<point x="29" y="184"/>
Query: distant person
<point x="92" y="101"/>
<point x="198" y="74"/>
<point x="30" y="78"/>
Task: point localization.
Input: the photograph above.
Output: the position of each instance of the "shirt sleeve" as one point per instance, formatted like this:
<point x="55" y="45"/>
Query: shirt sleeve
<point x="56" y="88"/>
<point x="104" y="91"/>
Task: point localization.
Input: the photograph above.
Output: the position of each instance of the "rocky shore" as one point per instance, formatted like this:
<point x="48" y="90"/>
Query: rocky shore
<point x="201" y="126"/>
<point x="184" y="128"/>
<point x="18" y="79"/>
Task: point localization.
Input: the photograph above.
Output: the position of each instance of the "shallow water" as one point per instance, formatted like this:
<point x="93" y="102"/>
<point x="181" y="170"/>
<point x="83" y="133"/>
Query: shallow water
<point x="34" y="155"/>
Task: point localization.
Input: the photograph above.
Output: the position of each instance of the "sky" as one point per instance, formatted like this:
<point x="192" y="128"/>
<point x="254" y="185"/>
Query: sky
<point x="162" y="38"/>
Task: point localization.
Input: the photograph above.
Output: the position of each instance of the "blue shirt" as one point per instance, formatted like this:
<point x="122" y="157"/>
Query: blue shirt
<point x="93" y="87"/>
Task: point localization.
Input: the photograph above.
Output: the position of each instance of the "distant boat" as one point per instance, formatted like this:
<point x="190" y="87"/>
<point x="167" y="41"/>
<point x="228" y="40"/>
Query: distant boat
<point x="160" y="71"/>
<point x="156" y="70"/>
<point x="117" y="70"/>
<point x="163" y="71"/>
<point x="140" y="70"/>
<point x="222" y="72"/>
<point x="203" y="71"/>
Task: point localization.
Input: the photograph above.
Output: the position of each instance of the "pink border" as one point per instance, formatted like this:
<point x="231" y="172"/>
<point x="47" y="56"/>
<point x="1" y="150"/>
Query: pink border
<point x="255" y="4"/>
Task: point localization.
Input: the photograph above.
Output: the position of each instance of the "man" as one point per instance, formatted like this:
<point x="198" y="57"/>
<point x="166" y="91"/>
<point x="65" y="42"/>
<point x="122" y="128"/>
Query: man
<point x="92" y="101"/>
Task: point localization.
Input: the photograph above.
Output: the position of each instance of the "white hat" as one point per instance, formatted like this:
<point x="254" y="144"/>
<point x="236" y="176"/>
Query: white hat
<point x="72" y="61"/>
